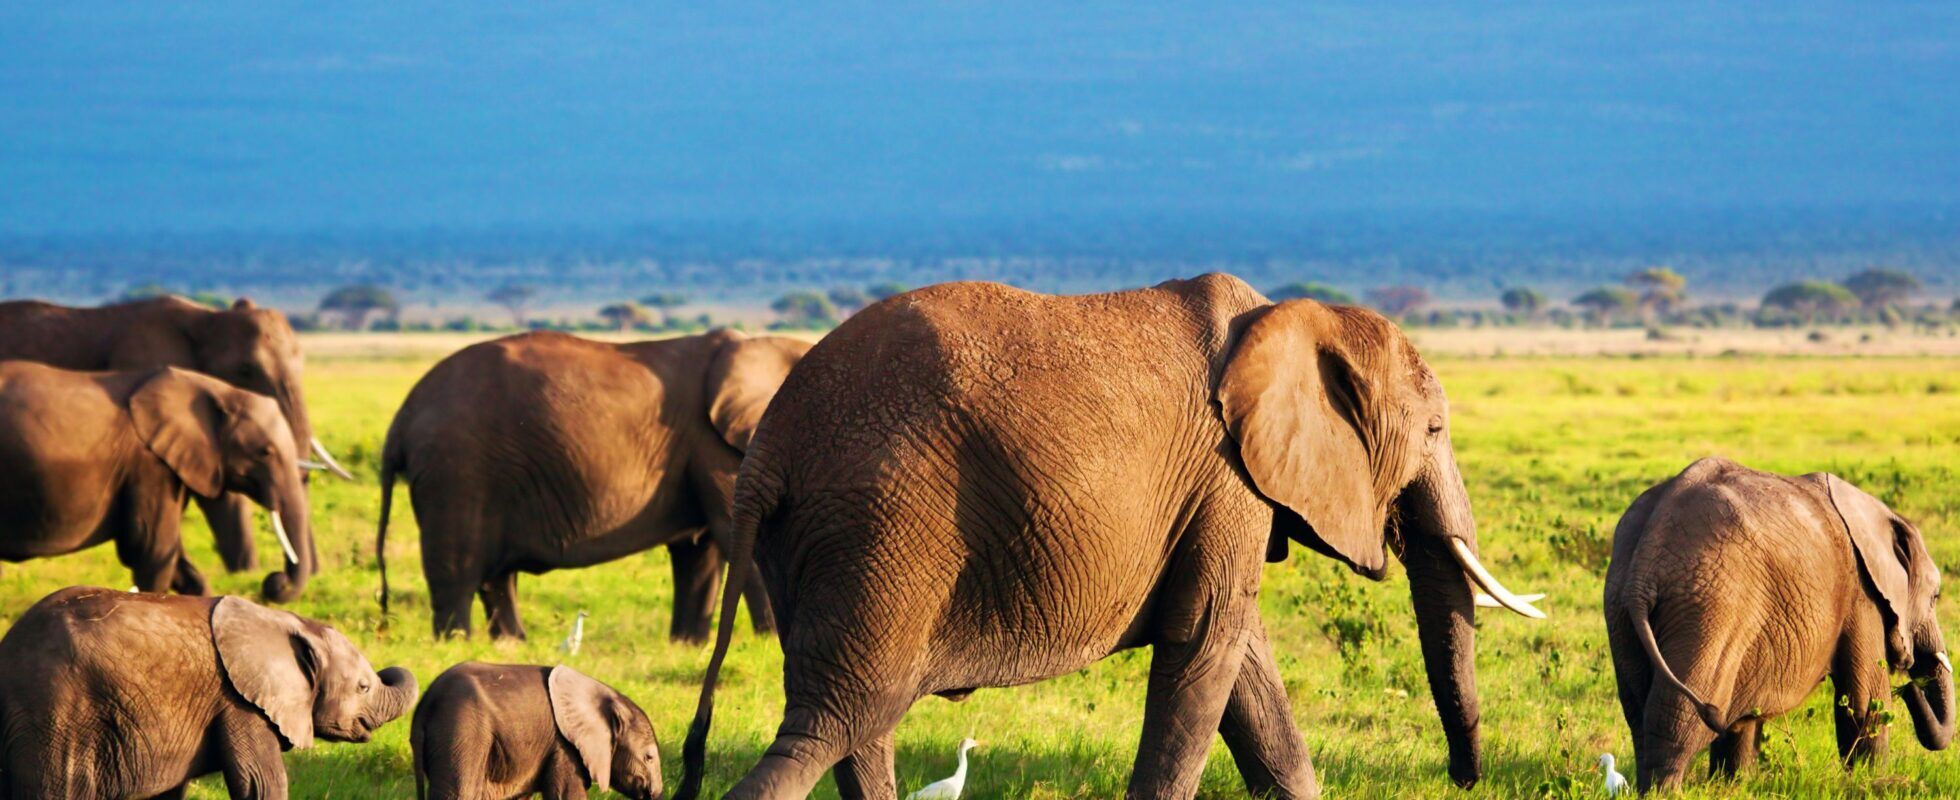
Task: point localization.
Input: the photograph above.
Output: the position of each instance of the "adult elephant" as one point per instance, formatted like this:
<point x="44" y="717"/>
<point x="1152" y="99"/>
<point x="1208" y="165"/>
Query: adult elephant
<point x="91" y="457"/>
<point x="1756" y="586"/>
<point x="544" y="451"/>
<point x="246" y="346"/>
<point x="971" y="485"/>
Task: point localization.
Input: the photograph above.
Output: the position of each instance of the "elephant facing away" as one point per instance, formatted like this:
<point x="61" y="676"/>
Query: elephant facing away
<point x="246" y="346"/>
<point x="496" y="731"/>
<point x="970" y="485"/>
<point x="113" y="694"/>
<point x="544" y="451"/>
<point x="91" y="457"/>
<point x="1733" y="592"/>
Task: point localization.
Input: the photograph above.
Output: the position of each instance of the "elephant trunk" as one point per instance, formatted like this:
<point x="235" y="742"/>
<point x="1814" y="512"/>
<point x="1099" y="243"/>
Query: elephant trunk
<point x="1435" y="521"/>
<point x="1929" y="699"/>
<point x="289" y="523"/>
<point x="396" y="696"/>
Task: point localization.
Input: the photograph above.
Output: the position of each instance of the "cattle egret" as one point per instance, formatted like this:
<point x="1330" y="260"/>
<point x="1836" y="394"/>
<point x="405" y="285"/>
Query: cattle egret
<point x="950" y="788"/>
<point x="1616" y="784"/>
<point x="577" y="636"/>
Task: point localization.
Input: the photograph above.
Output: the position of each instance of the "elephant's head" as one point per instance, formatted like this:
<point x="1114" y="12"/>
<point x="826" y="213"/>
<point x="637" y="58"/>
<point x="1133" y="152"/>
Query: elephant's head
<point x="254" y="348"/>
<point x="1344" y="429"/>
<point x="1905" y="584"/>
<point x="612" y="736"/>
<point x="217" y="438"/>
<point x="305" y="677"/>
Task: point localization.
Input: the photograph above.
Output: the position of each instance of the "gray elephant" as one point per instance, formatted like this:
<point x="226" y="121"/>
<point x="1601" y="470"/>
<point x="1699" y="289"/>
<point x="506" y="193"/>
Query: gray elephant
<point x="546" y="451"/>
<point x="970" y="485"/>
<point x="114" y="694"/>
<point x="1732" y="593"/>
<point x="497" y="731"/>
<point x="246" y="346"/>
<point x="91" y="457"/>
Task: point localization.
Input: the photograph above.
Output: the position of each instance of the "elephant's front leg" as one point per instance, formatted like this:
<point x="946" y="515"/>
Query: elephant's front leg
<point x="189" y="580"/>
<point x="150" y="545"/>
<point x="249" y="753"/>
<point x="499" y="595"/>
<point x="696" y="565"/>
<point x="1258" y="727"/>
<point x="1195" y="663"/>
<point x="1859" y="680"/>
<point x="870" y="772"/>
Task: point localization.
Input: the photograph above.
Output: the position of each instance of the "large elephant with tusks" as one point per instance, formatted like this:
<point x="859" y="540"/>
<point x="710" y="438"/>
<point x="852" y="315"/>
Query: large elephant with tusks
<point x="970" y="485"/>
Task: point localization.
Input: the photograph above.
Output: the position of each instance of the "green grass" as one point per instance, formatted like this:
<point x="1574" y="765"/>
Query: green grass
<point x="1553" y="451"/>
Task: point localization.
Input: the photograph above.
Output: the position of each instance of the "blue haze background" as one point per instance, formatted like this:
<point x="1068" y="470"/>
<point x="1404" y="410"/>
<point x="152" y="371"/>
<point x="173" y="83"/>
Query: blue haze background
<point x="1324" y="133"/>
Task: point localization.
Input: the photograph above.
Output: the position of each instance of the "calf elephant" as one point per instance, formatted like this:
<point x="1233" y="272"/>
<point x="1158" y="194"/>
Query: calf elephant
<point x="494" y="731"/>
<point x="1733" y="592"/>
<point x="246" y="346"/>
<point x="112" y="694"/>
<point x="543" y="451"/>
<point x="91" y="457"/>
<point x="971" y="486"/>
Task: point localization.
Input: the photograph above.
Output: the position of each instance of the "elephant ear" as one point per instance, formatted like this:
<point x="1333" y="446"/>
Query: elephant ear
<point x="179" y="419"/>
<point x="271" y="661"/>
<point x="1297" y="401"/>
<point x="582" y="709"/>
<point x="744" y="374"/>
<point x="1884" y="545"/>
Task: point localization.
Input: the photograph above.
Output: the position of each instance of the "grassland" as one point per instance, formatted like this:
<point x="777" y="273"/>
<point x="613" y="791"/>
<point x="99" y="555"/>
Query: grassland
<point x="1553" y="449"/>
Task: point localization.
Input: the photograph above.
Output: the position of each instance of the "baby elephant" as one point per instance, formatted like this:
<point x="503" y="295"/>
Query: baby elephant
<point x="1732" y="593"/>
<point x="115" y="694"/>
<point x="496" y="731"/>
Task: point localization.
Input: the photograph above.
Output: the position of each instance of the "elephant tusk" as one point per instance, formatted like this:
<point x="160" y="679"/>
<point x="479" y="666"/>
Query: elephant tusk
<point x="1486" y="601"/>
<point x="1489" y="584"/>
<point x="327" y="459"/>
<point x="1941" y="657"/>
<point x="279" y="530"/>
<point x="310" y="466"/>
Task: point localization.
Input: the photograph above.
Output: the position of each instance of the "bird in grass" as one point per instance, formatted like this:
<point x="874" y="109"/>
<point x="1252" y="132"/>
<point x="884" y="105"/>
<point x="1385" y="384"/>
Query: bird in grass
<point x="950" y="788"/>
<point x="578" y="636"/>
<point x="1616" y="784"/>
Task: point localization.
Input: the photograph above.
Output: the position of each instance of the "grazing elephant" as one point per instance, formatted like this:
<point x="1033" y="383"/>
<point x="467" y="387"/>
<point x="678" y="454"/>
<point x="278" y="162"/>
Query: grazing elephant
<point x="497" y="731"/>
<point x="246" y="346"/>
<point x="91" y="457"/>
<point x="971" y="485"/>
<point x="1732" y="593"/>
<point x="112" y="694"/>
<point x="543" y="451"/>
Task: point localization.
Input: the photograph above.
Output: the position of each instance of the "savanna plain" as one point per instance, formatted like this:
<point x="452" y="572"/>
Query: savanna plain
<point x="1553" y="449"/>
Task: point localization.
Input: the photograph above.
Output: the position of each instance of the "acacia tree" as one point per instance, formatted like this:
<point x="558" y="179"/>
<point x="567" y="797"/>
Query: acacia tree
<point x="1607" y="304"/>
<point x="804" y="309"/>
<point x="1810" y="299"/>
<point x="1523" y="300"/>
<point x="1311" y="290"/>
<point x="1660" y="289"/>
<point x="624" y="315"/>
<point x="354" y="304"/>
<point x="665" y="303"/>
<point x="849" y="300"/>
<point x="1398" y="300"/>
<point x="515" y="298"/>
<point x="1881" y="287"/>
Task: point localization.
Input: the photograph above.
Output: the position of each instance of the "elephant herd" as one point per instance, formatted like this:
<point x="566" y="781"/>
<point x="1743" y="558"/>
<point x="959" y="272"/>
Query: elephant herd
<point x="962" y="486"/>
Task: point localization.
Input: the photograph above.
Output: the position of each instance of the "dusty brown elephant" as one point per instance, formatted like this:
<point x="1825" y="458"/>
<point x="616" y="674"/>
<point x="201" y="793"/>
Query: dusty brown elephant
<point x="496" y="731"/>
<point x="545" y="451"/>
<point x="91" y="457"/>
<point x="113" y="694"/>
<point x="246" y="346"/>
<point x="1755" y="587"/>
<point x="970" y="485"/>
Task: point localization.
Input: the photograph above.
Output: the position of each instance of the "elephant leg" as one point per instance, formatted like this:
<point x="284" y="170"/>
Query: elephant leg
<point x="177" y="793"/>
<point x="869" y="773"/>
<point x="1674" y="733"/>
<point x="500" y="606"/>
<point x="150" y="547"/>
<point x="756" y="594"/>
<point x="1195" y="661"/>
<point x="1634" y="678"/>
<point x="1258" y="728"/>
<point x="1736" y="750"/>
<point x="234" y="523"/>
<point x="189" y="580"/>
<point x="1858" y="679"/>
<point x="696" y="564"/>
<point x="249" y="755"/>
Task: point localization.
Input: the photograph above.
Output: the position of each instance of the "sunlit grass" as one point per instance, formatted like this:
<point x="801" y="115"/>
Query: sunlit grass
<point x="1553" y="450"/>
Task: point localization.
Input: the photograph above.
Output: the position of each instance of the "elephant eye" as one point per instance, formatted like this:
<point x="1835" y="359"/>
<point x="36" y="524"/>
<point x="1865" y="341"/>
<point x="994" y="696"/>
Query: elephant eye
<point x="1435" y="425"/>
<point x="364" y="687"/>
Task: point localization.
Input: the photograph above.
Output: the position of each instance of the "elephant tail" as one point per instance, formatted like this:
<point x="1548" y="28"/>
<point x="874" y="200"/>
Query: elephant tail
<point x="755" y="500"/>
<point x="1645" y="630"/>
<point x="391" y="465"/>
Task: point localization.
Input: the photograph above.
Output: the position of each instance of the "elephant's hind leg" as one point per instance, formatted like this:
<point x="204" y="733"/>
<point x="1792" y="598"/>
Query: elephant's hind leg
<point x="1674" y="734"/>
<point x="696" y="565"/>
<point x="869" y="773"/>
<point x="499" y="595"/>
<point x="1736" y="750"/>
<point x="1258" y="728"/>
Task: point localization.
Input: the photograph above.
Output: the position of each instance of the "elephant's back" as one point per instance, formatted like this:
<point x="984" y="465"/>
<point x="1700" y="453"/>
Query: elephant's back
<point x="508" y="703"/>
